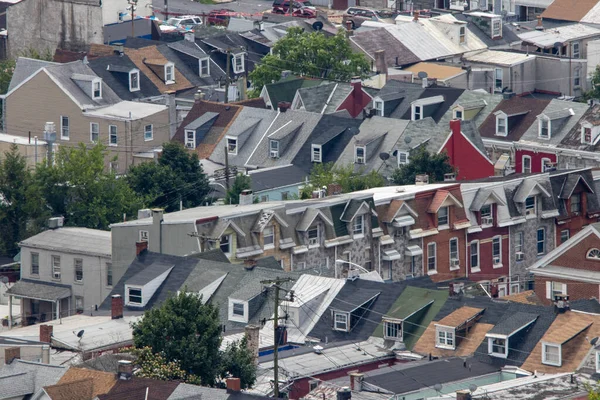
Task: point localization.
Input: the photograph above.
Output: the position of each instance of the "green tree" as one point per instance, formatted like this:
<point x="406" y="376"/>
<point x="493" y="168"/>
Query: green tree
<point x="177" y="177"/>
<point x="78" y="187"/>
<point x="593" y="391"/>
<point x="311" y="54"/>
<point x="422" y="162"/>
<point x="22" y="209"/>
<point x="241" y="182"/>
<point x="7" y="67"/>
<point x="350" y="180"/>
<point x="237" y="361"/>
<point x="155" y="366"/>
<point x="187" y="330"/>
<point x="594" y="92"/>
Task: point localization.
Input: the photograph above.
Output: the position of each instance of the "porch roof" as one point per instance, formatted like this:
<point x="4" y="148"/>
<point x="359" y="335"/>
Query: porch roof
<point x="39" y="290"/>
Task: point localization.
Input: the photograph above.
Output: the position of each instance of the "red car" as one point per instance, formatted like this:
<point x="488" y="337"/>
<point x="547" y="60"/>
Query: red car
<point x="220" y="17"/>
<point x="297" y="8"/>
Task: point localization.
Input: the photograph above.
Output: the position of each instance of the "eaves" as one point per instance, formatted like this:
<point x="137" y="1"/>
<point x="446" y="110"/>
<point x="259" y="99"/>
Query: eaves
<point x="66" y="251"/>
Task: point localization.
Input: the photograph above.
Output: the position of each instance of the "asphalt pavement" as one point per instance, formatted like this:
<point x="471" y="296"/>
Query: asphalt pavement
<point x="193" y="8"/>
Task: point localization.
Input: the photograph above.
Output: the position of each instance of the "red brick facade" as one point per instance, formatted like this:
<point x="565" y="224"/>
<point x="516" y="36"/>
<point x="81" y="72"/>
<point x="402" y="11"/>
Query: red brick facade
<point x="575" y="220"/>
<point x="575" y="290"/>
<point x="536" y="160"/>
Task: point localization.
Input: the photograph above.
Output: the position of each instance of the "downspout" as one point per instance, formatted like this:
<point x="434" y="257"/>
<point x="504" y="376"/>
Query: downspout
<point x="379" y="257"/>
<point x="466" y="254"/>
<point x="335" y="263"/>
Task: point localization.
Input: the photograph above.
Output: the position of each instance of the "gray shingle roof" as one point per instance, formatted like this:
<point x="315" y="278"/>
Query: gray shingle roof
<point x="72" y="240"/>
<point x="277" y="177"/>
<point x="560" y="127"/>
<point x="24" y="68"/>
<point x="315" y="98"/>
<point x="204" y="118"/>
<point x="510" y="325"/>
<point x="21" y="378"/>
<point x="40" y="290"/>
<point x="149" y="273"/>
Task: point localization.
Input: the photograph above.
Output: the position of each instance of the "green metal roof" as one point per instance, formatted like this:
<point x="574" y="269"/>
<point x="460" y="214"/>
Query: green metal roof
<point x="418" y="307"/>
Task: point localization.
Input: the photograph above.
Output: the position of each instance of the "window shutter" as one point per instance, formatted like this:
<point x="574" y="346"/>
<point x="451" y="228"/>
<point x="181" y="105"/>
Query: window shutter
<point x="549" y="290"/>
<point x="564" y="288"/>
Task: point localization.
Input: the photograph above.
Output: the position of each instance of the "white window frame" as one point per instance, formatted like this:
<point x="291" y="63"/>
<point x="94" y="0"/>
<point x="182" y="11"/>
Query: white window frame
<point x="35" y="255"/>
<point x="234" y="309"/>
<point x="488" y="216"/>
<point x="133" y="88"/>
<point x="229" y="237"/>
<point x="143" y="236"/>
<point x="417" y="112"/>
<point x="318" y="156"/>
<point x="358" y="227"/>
<point x="593" y="254"/>
<point x="141" y="296"/>
<point x="397" y="327"/>
<point x="496" y="27"/>
<point x="454" y="255"/>
<point x="538" y="241"/>
<point x="169" y="73"/>
<point x="231" y="147"/>
<point x="519" y="242"/>
<point x="554" y="288"/>
<point x="583" y="139"/>
<point x="462" y="35"/>
<point x="403" y="158"/>
<point x="575" y="50"/>
<point x="190" y="144"/>
<point x="477" y="254"/>
<point x="440" y="218"/>
<point x="97" y="82"/>
<point x="548" y="126"/>
<point x="360" y="159"/>
<point x="269" y="232"/>
<point x="148" y="132"/>
<point x="501" y="117"/>
<point x="498" y="77"/>
<point x="378" y="107"/>
<point x="341" y="321"/>
<point x="111" y="135"/>
<point x="497" y="257"/>
<point x="238" y="69"/>
<point x="56" y="268"/>
<point x="97" y="125"/>
<point x="65" y="128"/>
<point x="431" y="256"/>
<point x="491" y="345"/>
<point x="274" y="150"/>
<point x="576" y="78"/>
<point x="562" y="235"/>
<point x="447" y="340"/>
<point x="456" y="116"/>
<point x="545" y="160"/>
<point x="206" y="62"/>
<point x="578" y="203"/>
<point x="550" y="362"/>
<point x="523" y="169"/>
<point x="315" y="241"/>
<point x="531" y="211"/>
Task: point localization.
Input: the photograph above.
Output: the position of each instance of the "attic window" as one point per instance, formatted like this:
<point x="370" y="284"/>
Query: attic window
<point x="315" y="154"/>
<point x="551" y="354"/>
<point x="544" y="128"/>
<point x="169" y="73"/>
<point x="96" y="89"/>
<point x="501" y="125"/>
<point x="190" y="139"/>
<point x="340" y="321"/>
<point x="496" y="28"/>
<point x="274" y="148"/>
<point x="238" y="64"/>
<point x="458" y="114"/>
<point x="402" y="158"/>
<point x="232" y="146"/>
<point x="204" y="65"/>
<point x="462" y="35"/>
<point x="593" y="254"/>
<point x="445" y="338"/>
<point x="359" y="155"/>
<point x="586" y="135"/>
<point x="134" y="81"/>
<point x="497" y="347"/>
<point x="134" y="296"/>
<point x="378" y="106"/>
<point x="417" y="113"/>
<point x="392" y="330"/>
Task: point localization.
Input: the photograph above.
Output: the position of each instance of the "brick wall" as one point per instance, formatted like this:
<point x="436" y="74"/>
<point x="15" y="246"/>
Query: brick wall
<point x="575" y="290"/>
<point x="576" y="256"/>
<point x="442" y="240"/>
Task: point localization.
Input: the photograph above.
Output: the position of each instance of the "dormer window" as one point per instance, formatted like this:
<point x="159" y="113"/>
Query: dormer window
<point x="204" y="67"/>
<point x="134" y="81"/>
<point x="238" y="63"/>
<point x="530" y="206"/>
<point x="458" y="114"/>
<point x="190" y="139"/>
<point x="314" y="237"/>
<point x="501" y="125"/>
<point x="442" y="216"/>
<point x="575" y="203"/>
<point x="358" y="230"/>
<point x="315" y="154"/>
<point x="269" y="237"/>
<point x="496" y="28"/>
<point x="392" y="330"/>
<point x="134" y="296"/>
<point x="445" y="338"/>
<point x="417" y="113"/>
<point x="359" y="155"/>
<point x="378" y="107"/>
<point x="232" y="145"/>
<point x="274" y="148"/>
<point x="402" y="158"/>
<point x="586" y="135"/>
<point x="544" y="128"/>
<point x="486" y="215"/>
<point x="551" y="354"/>
<point x="462" y="35"/>
<point x="96" y="89"/>
<point x="169" y="73"/>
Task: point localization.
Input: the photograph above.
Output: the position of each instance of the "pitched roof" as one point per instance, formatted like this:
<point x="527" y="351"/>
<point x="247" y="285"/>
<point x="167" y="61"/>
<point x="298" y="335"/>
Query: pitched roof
<point x="81" y="389"/>
<point x="566" y="10"/>
<point x="140" y="389"/>
<point x="24" y="68"/>
<point x="141" y="56"/>
<point x="33" y="289"/>
<point x="546" y="38"/>
<point x="460" y="316"/>
<point x="510" y="325"/>
<point x="526" y="297"/>
<point x="72" y="240"/>
<point x="285" y="89"/>
<point x="22" y="378"/>
<point x="272" y="178"/>
<point x="396" y="53"/>
<point x="524" y="111"/>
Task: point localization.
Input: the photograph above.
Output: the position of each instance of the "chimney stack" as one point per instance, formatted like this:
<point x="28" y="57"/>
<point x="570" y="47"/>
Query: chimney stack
<point x="422" y="179"/>
<point x="284" y="106"/>
<point x="46" y="333"/>
<point x="463" y="395"/>
<point x="233" y="385"/>
<point x="246" y="197"/>
<point x="539" y="26"/>
<point x="124" y="370"/>
<point x="156" y="233"/>
<point x="252" y="339"/>
<point x="344" y="394"/>
<point x="380" y="63"/>
<point x="356" y="381"/>
<point x="190" y="37"/>
<point x="11" y="353"/>
<point x="116" y="306"/>
<point x="140" y="247"/>
<point x="349" y="28"/>
<point x="45" y="354"/>
<point x="416" y="16"/>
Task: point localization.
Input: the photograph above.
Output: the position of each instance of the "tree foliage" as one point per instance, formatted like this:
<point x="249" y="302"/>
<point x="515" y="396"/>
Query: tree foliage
<point x="78" y="187"/>
<point x="241" y="182"/>
<point x="350" y="180"/>
<point x="311" y="54"/>
<point x="22" y="209"/>
<point x="187" y="331"/>
<point x="7" y="67"/>
<point x="594" y="92"/>
<point x="178" y="176"/>
<point x="155" y="366"/>
<point x="422" y="162"/>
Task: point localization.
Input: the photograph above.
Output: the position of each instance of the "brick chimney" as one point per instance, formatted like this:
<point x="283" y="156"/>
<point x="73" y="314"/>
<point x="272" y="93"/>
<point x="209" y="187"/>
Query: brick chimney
<point x="357" y="95"/>
<point x="463" y="395"/>
<point x="140" y="247"/>
<point x="233" y="385"/>
<point x="116" y="306"/>
<point x="46" y="333"/>
<point x="284" y="106"/>
<point x="356" y="381"/>
<point x="11" y="353"/>
<point x="416" y="16"/>
<point x="155" y="234"/>
<point x="349" y="28"/>
<point x="252" y="336"/>
<point x="539" y="26"/>
<point x="380" y="63"/>
<point x="249" y="264"/>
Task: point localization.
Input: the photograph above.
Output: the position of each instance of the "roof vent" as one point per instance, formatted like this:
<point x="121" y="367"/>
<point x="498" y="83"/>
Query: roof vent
<point x="318" y="349"/>
<point x="422" y="179"/>
<point x="56" y="222"/>
<point x="561" y="303"/>
<point x="539" y="26"/>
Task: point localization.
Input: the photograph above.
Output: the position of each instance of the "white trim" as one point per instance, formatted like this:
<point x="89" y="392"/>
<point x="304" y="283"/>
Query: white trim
<point x="110" y="135"/>
<point x="172" y="66"/>
<point x="200" y="60"/>
<point x="234" y="65"/>
<point x="357" y="159"/>
<point x="313" y="147"/>
<point x="94" y="82"/>
<point x="523" y="158"/>
<point x="502" y="115"/>
<point x="545" y="361"/>
<point x="494" y="263"/>
<point x="478" y="267"/>
<point x="134" y="71"/>
<point x="227" y="139"/>
<point x="94" y="123"/>
<point x="151" y="132"/>
<point x="185" y="141"/>
<point x="434" y="270"/>
<point x="406" y="154"/>
<point x="63" y="137"/>
<point x="491" y="339"/>
<point x="450" y="253"/>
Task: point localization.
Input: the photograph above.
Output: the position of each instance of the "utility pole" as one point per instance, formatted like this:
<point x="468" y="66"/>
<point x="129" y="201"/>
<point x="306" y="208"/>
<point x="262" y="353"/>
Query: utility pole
<point x="166" y="10"/>
<point x="276" y="282"/>
<point x="133" y="6"/>
<point x="227" y="69"/>
<point x="226" y="159"/>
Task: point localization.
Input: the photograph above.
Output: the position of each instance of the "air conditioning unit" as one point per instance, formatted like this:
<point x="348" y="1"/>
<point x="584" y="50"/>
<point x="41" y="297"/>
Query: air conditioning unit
<point x="487" y="221"/>
<point x="360" y="160"/>
<point x="313" y="241"/>
<point x="189" y="145"/>
<point x="496" y="260"/>
<point x="274" y="154"/>
<point x="56" y="222"/>
<point x="454" y="263"/>
<point x="520" y="256"/>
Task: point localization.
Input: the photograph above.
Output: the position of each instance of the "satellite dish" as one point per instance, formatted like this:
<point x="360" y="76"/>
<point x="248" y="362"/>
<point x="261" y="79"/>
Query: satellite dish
<point x="437" y="387"/>
<point x="422" y="75"/>
<point x="407" y="139"/>
<point x="80" y="334"/>
<point x="384" y="156"/>
<point x="472" y="388"/>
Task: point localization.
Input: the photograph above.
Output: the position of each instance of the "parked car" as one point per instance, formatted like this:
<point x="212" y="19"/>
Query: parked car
<point x="283" y="7"/>
<point x="220" y="17"/>
<point x="358" y="15"/>
<point x="186" y="22"/>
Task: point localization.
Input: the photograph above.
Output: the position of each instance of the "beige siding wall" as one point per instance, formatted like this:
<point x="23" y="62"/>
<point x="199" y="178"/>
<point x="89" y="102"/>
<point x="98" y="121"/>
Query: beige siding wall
<point x="48" y="103"/>
<point x="27" y="151"/>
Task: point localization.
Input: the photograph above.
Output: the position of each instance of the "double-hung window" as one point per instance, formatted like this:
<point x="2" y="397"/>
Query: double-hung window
<point x="313" y="236"/>
<point x="225" y="244"/>
<point x="575" y="203"/>
<point x="113" y="138"/>
<point x="64" y="128"/>
<point x="442" y="216"/>
<point x="94" y="132"/>
<point x="530" y="206"/>
<point x="205" y="67"/>
<point x="190" y="139"/>
<point x="78" y="270"/>
<point x="497" y="250"/>
<point x="232" y="145"/>
<point x="315" y="153"/>
<point x="402" y="158"/>
<point x="134" y="81"/>
<point x="551" y="354"/>
<point x="340" y="322"/>
<point x="541" y="241"/>
<point x="393" y="330"/>
<point x="474" y="247"/>
<point x="134" y="296"/>
<point x="526" y="164"/>
<point x="109" y="274"/>
<point x="55" y="267"/>
<point x="238" y="64"/>
<point x="565" y="234"/>
<point x="358" y="228"/>
<point x="148" y="132"/>
<point x="445" y="338"/>
<point x="378" y="106"/>
<point x="35" y="263"/>
<point x="269" y="237"/>
<point x="431" y="257"/>
<point x="454" y="253"/>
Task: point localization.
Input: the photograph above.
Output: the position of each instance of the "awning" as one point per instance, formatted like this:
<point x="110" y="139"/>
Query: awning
<point x="386" y="239"/>
<point x="502" y="162"/>
<point x="405" y="220"/>
<point x="39" y="291"/>
<point x="391" y="255"/>
<point x="413" y="251"/>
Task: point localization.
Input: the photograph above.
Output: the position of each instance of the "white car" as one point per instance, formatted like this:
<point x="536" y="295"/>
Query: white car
<point x="185" y="22"/>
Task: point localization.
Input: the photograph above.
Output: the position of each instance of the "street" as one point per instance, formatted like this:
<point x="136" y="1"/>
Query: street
<point x="193" y="8"/>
